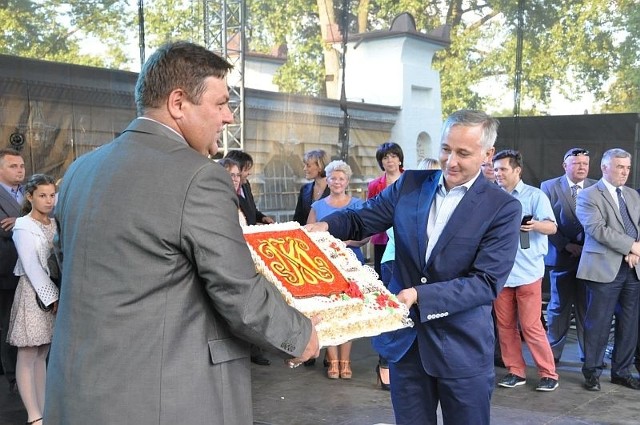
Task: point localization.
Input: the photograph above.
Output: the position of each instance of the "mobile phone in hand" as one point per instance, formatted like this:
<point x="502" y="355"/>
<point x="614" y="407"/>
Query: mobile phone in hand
<point x="527" y="218"/>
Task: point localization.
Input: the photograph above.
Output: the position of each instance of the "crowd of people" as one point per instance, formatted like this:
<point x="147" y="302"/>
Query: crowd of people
<point x="462" y="241"/>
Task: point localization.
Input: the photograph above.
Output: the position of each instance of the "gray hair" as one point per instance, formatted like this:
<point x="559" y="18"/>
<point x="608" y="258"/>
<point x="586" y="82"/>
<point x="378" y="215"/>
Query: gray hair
<point x="613" y="153"/>
<point x="338" y="165"/>
<point x="471" y="118"/>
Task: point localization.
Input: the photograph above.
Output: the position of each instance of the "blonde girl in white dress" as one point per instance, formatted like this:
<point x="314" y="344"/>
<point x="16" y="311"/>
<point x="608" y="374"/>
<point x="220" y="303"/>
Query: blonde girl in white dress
<point x="31" y="325"/>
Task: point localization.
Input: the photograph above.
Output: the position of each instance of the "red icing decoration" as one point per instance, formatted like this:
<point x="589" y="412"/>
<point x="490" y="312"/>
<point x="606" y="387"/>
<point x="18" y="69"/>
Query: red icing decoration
<point x="354" y="291"/>
<point x="298" y="263"/>
<point x="383" y="300"/>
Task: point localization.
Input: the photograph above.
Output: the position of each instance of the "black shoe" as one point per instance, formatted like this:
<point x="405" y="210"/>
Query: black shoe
<point x="510" y="381"/>
<point x="260" y="360"/>
<point x="592" y="383"/>
<point x="310" y="362"/>
<point x="547" y="384"/>
<point x="627" y="381"/>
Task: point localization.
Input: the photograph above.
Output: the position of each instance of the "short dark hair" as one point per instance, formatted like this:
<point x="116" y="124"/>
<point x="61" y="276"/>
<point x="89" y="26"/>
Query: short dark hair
<point x="515" y="157"/>
<point x="244" y="160"/>
<point x="386" y="148"/>
<point x="176" y="65"/>
<point x="10" y="152"/>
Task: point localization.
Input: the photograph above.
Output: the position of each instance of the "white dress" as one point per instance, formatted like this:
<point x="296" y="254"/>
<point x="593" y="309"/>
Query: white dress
<point x="29" y="325"/>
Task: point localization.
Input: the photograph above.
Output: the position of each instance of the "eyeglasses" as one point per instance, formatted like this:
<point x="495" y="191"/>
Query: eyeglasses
<point x="576" y="152"/>
<point x="235" y="176"/>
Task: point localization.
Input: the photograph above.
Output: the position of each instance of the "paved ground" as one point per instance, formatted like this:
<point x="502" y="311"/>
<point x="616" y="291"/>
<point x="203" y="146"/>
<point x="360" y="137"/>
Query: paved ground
<point x="305" y="396"/>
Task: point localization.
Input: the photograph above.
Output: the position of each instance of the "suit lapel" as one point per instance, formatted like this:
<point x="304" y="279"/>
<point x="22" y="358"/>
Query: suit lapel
<point x="10" y="202"/>
<point x="611" y="202"/>
<point x="427" y="193"/>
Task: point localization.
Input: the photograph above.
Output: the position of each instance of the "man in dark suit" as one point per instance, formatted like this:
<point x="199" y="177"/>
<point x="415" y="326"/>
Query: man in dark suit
<point x="568" y="293"/>
<point x="456" y="237"/>
<point x="12" y="175"/>
<point x="245" y="195"/>
<point x="610" y="212"/>
<point x="160" y="298"/>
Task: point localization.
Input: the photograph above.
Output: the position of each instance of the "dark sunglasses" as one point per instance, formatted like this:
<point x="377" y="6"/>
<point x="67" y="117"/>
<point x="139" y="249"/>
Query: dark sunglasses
<point x="576" y="152"/>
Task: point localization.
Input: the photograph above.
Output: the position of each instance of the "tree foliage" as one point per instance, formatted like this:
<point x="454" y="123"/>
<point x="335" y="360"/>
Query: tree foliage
<point x="54" y="30"/>
<point x="571" y="47"/>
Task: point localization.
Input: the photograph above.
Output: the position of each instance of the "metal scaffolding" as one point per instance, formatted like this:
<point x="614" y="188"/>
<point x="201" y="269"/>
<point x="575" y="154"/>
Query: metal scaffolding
<point x="224" y="30"/>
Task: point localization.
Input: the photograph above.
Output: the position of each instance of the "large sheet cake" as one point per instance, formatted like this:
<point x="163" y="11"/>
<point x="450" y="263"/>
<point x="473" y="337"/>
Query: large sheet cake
<point x="318" y="275"/>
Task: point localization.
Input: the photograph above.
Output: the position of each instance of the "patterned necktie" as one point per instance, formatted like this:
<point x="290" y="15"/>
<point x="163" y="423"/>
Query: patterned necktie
<point x="578" y="225"/>
<point x="629" y="228"/>
<point x="15" y="193"/>
<point x="574" y="194"/>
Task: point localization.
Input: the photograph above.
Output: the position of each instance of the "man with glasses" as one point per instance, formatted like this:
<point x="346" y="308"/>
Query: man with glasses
<point x="567" y="292"/>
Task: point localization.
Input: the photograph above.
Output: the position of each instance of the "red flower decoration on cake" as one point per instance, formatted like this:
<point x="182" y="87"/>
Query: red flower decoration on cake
<point x="383" y="300"/>
<point x="353" y="290"/>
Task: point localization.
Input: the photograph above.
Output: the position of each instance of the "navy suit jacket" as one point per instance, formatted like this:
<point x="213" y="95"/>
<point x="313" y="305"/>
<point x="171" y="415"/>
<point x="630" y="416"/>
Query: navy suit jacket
<point x="559" y="193"/>
<point x="466" y="270"/>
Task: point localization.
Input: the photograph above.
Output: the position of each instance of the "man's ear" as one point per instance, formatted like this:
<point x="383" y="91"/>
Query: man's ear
<point x="175" y="103"/>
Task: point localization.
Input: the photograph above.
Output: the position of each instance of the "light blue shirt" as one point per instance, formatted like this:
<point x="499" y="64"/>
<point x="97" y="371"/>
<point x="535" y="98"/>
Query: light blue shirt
<point x="529" y="264"/>
<point x="443" y="205"/>
<point x="390" y="250"/>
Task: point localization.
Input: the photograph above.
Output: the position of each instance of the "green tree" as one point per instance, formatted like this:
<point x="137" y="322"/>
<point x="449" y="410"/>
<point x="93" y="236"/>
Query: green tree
<point x="55" y="29"/>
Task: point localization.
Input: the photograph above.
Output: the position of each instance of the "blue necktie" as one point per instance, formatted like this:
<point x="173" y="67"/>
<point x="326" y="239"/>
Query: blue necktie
<point x="629" y="228"/>
<point x="15" y="193"/>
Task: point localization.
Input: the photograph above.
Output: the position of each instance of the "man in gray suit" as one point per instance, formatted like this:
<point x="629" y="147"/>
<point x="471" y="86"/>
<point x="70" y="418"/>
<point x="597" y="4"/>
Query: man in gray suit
<point x="567" y="292"/>
<point x="160" y="298"/>
<point x="12" y="175"/>
<point x="610" y="212"/>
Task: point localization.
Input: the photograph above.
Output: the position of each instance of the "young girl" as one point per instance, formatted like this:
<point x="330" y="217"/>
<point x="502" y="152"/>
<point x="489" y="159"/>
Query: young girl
<point x="36" y="299"/>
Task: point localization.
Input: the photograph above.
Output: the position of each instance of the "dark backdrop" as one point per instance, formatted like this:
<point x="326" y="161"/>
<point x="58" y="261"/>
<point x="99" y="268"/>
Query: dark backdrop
<point x="544" y="140"/>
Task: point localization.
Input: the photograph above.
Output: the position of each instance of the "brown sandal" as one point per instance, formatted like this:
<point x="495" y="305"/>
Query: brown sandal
<point x="345" y="369"/>
<point x="333" y="371"/>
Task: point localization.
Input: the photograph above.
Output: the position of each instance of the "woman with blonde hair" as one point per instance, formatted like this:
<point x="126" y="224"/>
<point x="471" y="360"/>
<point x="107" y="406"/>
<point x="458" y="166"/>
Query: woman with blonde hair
<point x="36" y="300"/>
<point x="314" y="164"/>
<point x="338" y="176"/>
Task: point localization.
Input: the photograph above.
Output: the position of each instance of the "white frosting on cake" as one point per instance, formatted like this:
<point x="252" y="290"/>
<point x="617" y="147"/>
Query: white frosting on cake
<point x="343" y="318"/>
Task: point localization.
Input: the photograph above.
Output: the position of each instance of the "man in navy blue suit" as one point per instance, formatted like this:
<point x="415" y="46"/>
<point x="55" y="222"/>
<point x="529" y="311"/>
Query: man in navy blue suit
<point x="456" y="239"/>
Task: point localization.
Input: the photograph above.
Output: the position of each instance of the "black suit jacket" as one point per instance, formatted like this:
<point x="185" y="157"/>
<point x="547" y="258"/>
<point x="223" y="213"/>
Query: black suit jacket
<point x="248" y="206"/>
<point x="305" y="199"/>
<point x="9" y="207"/>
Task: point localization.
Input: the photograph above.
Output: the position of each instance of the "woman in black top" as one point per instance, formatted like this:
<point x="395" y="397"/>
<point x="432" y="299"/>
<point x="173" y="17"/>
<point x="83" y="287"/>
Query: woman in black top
<point x="314" y="163"/>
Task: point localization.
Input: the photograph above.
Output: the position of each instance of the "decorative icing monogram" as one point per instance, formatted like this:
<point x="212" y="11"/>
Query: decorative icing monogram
<point x="297" y="263"/>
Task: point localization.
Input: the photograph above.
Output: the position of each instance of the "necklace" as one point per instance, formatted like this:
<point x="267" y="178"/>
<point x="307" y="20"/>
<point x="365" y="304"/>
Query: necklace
<point x="317" y="191"/>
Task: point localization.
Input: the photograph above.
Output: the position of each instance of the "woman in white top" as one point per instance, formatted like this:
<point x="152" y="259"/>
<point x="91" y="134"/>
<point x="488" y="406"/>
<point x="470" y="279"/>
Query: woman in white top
<point x="36" y="299"/>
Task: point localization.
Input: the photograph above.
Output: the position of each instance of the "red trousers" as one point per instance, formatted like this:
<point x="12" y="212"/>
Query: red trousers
<point x="523" y="305"/>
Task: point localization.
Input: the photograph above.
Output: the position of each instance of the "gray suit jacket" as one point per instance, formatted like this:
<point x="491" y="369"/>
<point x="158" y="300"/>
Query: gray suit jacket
<point x="559" y="193"/>
<point x="9" y="207"/>
<point x="159" y="297"/>
<point x="606" y="242"/>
